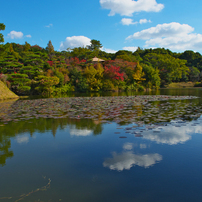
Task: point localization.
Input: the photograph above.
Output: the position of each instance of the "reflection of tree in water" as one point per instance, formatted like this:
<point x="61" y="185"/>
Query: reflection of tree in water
<point x="165" y="111"/>
<point x="148" y="112"/>
<point x="41" y="125"/>
<point x="5" y="152"/>
<point x="5" y="142"/>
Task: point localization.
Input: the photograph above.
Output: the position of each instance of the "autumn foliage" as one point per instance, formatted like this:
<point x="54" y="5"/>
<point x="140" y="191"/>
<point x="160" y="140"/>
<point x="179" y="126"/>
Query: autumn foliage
<point x="113" y="72"/>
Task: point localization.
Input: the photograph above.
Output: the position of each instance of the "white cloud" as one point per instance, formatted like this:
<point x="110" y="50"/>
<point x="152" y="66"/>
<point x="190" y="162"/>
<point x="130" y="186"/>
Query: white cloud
<point x="28" y="36"/>
<point x="129" y="21"/>
<point x="15" y="35"/>
<point x="163" y="30"/>
<point x="173" y="35"/>
<point x="78" y="132"/>
<point x="107" y="50"/>
<point x="75" y="41"/>
<point x="143" y="21"/>
<point x="128" y="7"/>
<point x="130" y="48"/>
<point x="48" y="26"/>
<point x="22" y="139"/>
<point x="126" y="160"/>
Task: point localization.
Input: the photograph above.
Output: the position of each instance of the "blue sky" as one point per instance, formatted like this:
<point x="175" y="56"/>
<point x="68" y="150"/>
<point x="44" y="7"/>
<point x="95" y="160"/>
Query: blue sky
<point x="117" y="24"/>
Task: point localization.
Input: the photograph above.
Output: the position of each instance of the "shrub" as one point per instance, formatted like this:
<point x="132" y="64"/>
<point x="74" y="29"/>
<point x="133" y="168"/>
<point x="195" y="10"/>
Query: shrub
<point x="198" y="84"/>
<point x="140" y="88"/>
<point x="23" y="90"/>
<point x="107" y="85"/>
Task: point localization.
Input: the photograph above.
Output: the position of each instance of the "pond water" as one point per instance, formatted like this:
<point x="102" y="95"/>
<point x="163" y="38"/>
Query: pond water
<point x="94" y="149"/>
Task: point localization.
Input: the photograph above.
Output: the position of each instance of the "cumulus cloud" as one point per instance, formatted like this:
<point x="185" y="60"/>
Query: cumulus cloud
<point x="143" y="21"/>
<point x="79" y="132"/>
<point x="127" y="160"/>
<point x="28" y="36"/>
<point x="163" y="30"/>
<point x="172" y="35"/>
<point x="75" y="41"/>
<point x="129" y="21"/>
<point x="128" y="7"/>
<point x="15" y="35"/>
<point x="130" y="48"/>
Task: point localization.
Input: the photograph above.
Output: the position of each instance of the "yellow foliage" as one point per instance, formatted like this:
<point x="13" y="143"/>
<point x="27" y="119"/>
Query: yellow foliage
<point x="93" y="77"/>
<point x="100" y="71"/>
<point x="138" y="73"/>
<point x="49" y="73"/>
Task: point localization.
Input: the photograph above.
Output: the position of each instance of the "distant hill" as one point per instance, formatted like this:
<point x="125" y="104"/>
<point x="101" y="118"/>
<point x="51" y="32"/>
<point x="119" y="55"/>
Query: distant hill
<point x="5" y="93"/>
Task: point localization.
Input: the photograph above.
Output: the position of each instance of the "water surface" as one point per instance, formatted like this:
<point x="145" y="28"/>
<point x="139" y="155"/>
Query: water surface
<point x="155" y="154"/>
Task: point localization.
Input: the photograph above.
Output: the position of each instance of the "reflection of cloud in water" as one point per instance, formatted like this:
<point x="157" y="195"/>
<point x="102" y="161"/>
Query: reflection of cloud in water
<point x="128" y="146"/>
<point x="128" y="159"/>
<point x="79" y="132"/>
<point x="173" y="135"/>
<point x="143" y="146"/>
<point x="22" y="139"/>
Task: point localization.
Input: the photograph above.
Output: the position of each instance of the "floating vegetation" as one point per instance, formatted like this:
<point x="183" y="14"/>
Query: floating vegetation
<point x="120" y="109"/>
<point x="21" y="197"/>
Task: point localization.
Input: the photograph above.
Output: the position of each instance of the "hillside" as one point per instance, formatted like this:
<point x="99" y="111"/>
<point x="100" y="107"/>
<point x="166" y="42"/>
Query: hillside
<point x="5" y="93"/>
<point x="33" y="70"/>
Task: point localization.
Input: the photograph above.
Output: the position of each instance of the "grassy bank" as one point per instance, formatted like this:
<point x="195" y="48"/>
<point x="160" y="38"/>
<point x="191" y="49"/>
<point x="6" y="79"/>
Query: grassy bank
<point x="5" y="93"/>
<point x="181" y="85"/>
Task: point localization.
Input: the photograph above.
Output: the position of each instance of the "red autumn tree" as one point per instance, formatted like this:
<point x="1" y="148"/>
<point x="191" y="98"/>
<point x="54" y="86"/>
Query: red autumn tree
<point x="113" y="72"/>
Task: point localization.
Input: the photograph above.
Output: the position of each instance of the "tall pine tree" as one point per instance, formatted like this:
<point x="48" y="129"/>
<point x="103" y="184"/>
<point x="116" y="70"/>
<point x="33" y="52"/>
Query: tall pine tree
<point x="50" y="49"/>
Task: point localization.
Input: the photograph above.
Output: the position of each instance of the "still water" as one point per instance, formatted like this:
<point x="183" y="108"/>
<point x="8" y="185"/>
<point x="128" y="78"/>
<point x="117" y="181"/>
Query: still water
<point x="156" y="156"/>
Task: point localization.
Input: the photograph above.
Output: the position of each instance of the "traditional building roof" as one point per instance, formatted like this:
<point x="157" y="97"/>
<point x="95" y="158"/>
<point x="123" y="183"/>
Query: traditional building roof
<point x="95" y="59"/>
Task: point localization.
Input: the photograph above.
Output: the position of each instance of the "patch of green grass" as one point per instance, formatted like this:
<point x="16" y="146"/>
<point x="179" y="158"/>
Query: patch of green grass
<point x="181" y="85"/>
<point x="5" y="93"/>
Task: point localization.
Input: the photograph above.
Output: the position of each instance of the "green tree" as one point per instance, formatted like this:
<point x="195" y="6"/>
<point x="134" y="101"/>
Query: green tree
<point x="170" y="69"/>
<point x="194" y="74"/>
<point x="95" y="45"/>
<point x="151" y="76"/>
<point x="50" y="49"/>
<point x="30" y="71"/>
<point x="44" y="84"/>
<point x="93" y="77"/>
<point x="125" y="55"/>
<point x="77" y="80"/>
<point x="81" y="53"/>
<point x="26" y="46"/>
<point x="2" y="27"/>
<point x="33" y="59"/>
<point x="193" y="59"/>
<point x="9" y="62"/>
<point x="61" y="78"/>
<point x="20" y="83"/>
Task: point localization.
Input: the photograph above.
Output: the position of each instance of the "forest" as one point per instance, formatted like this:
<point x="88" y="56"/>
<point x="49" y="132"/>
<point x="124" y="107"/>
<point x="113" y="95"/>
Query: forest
<point x="34" y="70"/>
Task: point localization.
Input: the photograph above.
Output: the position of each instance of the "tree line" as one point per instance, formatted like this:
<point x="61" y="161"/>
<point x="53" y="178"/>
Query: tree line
<point x="27" y="69"/>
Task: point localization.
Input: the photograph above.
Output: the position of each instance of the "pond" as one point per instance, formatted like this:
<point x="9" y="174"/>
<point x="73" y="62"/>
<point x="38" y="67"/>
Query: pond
<point x="123" y="147"/>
